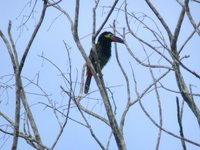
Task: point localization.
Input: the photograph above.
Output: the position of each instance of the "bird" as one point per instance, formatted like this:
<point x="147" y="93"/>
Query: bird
<point x="103" y="52"/>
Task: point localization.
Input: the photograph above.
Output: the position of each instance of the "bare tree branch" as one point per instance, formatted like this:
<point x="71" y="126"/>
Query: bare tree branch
<point x="86" y="121"/>
<point x="179" y="116"/>
<point x="69" y="102"/>
<point x="159" y="103"/>
<point x="160" y="18"/>
<point x="180" y="80"/>
<point x="106" y="19"/>
<point x="5" y="40"/>
<point x="187" y="9"/>
<point x="145" y="42"/>
<point x="127" y="84"/>
<point x="196" y="1"/>
<point x="17" y="70"/>
<point x="33" y="35"/>
<point x="178" y="27"/>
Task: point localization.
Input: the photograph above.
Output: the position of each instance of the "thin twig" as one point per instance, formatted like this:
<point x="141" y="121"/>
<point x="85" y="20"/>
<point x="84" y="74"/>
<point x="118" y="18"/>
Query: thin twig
<point x="107" y="17"/>
<point x="159" y="102"/>
<point x="86" y="121"/>
<point x="127" y="84"/>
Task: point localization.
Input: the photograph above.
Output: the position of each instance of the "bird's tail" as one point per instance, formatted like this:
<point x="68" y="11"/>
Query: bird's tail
<point x="87" y="83"/>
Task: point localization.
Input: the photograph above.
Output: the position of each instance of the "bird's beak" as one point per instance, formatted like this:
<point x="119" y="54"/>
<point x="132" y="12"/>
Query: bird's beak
<point x="117" y="39"/>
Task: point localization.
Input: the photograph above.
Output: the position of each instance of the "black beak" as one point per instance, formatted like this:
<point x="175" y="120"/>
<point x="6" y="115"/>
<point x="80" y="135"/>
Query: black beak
<point x="117" y="39"/>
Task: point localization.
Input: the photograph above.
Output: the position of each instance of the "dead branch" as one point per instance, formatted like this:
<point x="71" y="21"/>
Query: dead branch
<point x="159" y="102"/>
<point x="179" y="117"/>
<point x="160" y="18"/>
<point x="33" y="35"/>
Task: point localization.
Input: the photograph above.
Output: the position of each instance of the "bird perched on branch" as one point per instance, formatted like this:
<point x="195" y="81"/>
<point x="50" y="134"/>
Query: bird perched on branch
<point x="103" y="51"/>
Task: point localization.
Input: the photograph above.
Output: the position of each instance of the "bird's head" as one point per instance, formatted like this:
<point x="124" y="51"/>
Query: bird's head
<point x="109" y="37"/>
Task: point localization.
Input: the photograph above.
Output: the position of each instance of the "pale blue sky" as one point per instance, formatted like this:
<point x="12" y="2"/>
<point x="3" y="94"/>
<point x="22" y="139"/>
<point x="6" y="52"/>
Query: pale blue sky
<point x="139" y="132"/>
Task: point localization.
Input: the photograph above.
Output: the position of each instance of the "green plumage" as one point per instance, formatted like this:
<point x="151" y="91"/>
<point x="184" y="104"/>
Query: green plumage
<point x="103" y="55"/>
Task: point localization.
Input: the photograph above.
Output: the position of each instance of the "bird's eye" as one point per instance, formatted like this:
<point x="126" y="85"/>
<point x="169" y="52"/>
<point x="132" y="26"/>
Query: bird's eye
<point x="109" y="36"/>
